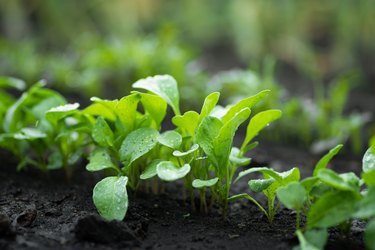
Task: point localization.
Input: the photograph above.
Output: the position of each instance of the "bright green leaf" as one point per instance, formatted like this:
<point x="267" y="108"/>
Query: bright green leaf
<point x="187" y="122"/>
<point x="57" y="113"/>
<point x="99" y="159"/>
<point x="150" y="170"/>
<point x="366" y="207"/>
<point x="368" y="162"/>
<point x="293" y="196"/>
<point x="340" y="182"/>
<point x="258" y="185"/>
<point x="102" y="133"/>
<point x="170" y="139"/>
<point x="110" y="197"/>
<point x="168" y="171"/>
<point x="208" y="105"/>
<point x="258" y="122"/>
<point x="245" y="103"/>
<point x="163" y="85"/>
<point x="332" y="209"/>
<point x="323" y="162"/>
<point x="198" y="183"/>
<point x="370" y="235"/>
<point x="137" y="144"/>
<point x="193" y="148"/>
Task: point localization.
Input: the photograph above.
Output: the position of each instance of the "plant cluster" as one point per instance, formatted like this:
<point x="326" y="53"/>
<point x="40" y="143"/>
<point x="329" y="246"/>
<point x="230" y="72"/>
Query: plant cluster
<point x="318" y="123"/>
<point x="124" y="138"/>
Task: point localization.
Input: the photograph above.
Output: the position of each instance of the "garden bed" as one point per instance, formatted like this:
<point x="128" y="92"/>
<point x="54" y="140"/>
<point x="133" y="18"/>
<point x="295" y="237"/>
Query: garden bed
<point x="46" y="212"/>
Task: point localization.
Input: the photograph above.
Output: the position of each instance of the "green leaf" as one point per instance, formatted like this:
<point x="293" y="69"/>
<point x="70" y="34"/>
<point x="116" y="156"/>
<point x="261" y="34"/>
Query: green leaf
<point x="293" y="196"/>
<point x="150" y="170"/>
<point x="239" y="161"/>
<point x="259" y="185"/>
<point x="187" y="122"/>
<point x="370" y="235"/>
<point x="170" y="139"/>
<point x="137" y="144"/>
<point x="57" y="113"/>
<point x="11" y="82"/>
<point x="258" y="122"/>
<point x="206" y="133"/>
<point x="198" y="183"/>
<point x="99" y="159"/>
<point x="168" y="171"/>
<point x="366" y="207"/>
<point x="110" y="197"/>
<point x="208" y="105"/>
<point x="323" y="162"/>
<point x="224" y="140"/>
<point x="55" y="161"/>
<point x="245" y="103"/>
<point x="29" y="134"/>
<point x="193" y="148"/>
<point x="105" y="108"/>
<point x="155" y="106"/>
<point x="368" y="162"/>
<point x="314" y="239"/>
<point x="164" y="86"/>
<point x="126" y="110"/>
<point x="263" y="170"/>
<point x="309" y="182"/>
<point x="346" y="182"/>
<point x="332" y="209"/>
<point x="102" y="133"/>
<point x="286" y="178"/>
<point x="369" y="177"/>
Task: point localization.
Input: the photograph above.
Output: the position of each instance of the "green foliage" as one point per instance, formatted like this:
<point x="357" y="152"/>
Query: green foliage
<point x="42" y="130"/>
<point x="272" y="181"/>
<point x="110" y="197"/>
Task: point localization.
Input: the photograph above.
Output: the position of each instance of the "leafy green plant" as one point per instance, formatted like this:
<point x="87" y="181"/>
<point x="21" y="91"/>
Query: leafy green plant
<point x="42" y="130"/>
<point x="272" y="181"/>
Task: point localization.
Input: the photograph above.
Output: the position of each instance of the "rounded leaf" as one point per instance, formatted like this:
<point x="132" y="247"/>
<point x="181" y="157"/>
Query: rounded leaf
<point x="168" y="171"/>
<point x="368" y="161"/>
<point x="198" y="183"/>
<point x="110" y="197"/>
<point x="293" y="196"/>
<point x="170" y="139"/>
<point x="190" y="151"/>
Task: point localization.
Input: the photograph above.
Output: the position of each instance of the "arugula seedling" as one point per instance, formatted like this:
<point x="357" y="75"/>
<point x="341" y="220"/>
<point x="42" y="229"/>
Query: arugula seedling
<point x="43" y="131"/>
<point x="272" y="181"/>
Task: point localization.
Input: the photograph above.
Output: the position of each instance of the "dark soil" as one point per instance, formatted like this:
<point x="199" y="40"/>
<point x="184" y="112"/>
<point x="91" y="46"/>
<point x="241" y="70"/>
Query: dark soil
<point x="46" y="212"/>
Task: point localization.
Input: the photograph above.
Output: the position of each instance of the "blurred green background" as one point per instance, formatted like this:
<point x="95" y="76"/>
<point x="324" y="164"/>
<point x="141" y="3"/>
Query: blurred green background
<point x="318" y="57"/>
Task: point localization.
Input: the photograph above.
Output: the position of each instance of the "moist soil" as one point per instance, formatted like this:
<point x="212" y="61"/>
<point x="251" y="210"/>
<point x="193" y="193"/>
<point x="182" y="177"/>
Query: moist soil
<point x="46" y="212"/>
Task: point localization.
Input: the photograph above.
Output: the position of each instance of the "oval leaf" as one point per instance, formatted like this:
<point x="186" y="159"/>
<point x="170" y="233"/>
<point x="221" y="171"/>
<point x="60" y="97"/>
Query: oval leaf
<point x="170" y="139"/>
<point x="168" y="171"/>
<point x="102" y="133"/>
<point x="260" y="184"/>
<point x="190" y="151"/>
<point x="368" y="161"/>
<point x="258" y="122"/>
<point x="198" y="183"/>
<point x="293" y="196"/>
<point x="137" y="144"/>
<point x="99" y="159"/>
<point x="323" y="162"/>
<point x="110" y="197"/>
<point x="164" y="86"/>
<point x="150" y="170"/>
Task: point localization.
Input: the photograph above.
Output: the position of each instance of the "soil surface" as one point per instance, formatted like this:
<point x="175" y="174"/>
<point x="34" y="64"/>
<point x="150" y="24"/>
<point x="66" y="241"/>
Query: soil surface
<point x="46" y="212"/>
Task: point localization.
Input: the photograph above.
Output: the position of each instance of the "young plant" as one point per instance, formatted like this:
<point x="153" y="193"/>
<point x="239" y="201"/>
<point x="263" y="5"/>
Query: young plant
<point x="272" y="181"/>
<point x="130" y="146"/>
<point x="206" y="154"/>
<point x="42" y="130"/>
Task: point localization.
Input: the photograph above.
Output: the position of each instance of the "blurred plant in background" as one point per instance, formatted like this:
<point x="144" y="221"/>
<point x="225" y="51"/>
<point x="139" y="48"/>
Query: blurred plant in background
<point x="97" y="47"/>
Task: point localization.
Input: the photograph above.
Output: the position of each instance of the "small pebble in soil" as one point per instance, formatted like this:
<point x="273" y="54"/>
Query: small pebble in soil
<point x="27" y="217"/>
